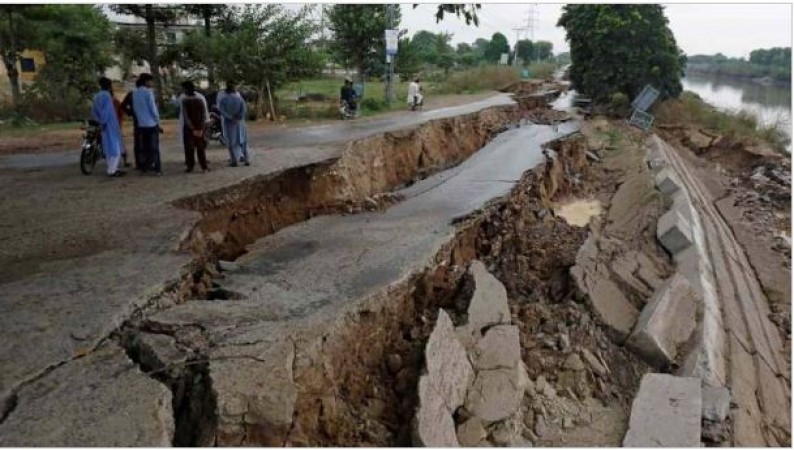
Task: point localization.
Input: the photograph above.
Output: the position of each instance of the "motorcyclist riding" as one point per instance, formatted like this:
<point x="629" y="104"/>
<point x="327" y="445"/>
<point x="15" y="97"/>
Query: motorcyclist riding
<point x="347" y="99"/>
<point x="415" y="98"/>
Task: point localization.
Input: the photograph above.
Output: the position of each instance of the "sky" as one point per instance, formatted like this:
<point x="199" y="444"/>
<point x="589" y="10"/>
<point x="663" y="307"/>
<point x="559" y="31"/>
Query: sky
<point x="731" y="29"/>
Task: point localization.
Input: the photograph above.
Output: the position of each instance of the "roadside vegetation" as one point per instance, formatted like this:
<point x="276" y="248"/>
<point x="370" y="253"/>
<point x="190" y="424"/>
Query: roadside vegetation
<point x="690" y="109"/>
<point x="270" y="50"/>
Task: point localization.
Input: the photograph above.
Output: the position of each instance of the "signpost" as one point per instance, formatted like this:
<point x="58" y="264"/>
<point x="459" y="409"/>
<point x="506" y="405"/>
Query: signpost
<point x="392" y="39"/>
<point x="640" y="118"/>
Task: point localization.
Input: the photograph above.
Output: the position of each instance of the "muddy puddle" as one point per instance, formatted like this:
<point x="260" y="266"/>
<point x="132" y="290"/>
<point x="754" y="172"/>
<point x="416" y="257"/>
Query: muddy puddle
<point x="578" y="212"/>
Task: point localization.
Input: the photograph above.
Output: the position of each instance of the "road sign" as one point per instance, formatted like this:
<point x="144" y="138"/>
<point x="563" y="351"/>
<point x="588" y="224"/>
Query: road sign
<point x="503" y="60"/>
<point x="641" y="119"/>
<point x="646" y="98"/>
<point x="391" y="42"/>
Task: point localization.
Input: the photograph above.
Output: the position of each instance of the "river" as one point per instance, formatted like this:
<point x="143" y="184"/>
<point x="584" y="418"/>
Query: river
<point x="771" y="104"/>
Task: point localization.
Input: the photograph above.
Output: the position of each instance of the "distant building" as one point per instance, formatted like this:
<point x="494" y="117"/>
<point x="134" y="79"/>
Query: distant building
<point x="29" y="65"/>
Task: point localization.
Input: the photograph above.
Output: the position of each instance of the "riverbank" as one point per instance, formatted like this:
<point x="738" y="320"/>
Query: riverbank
<point x="762" y="78"/>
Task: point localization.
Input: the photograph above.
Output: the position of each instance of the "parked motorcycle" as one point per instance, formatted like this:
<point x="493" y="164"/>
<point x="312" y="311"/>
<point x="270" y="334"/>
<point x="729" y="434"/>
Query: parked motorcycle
<point x="91" y="150"/>
<point x="214" y="131"/>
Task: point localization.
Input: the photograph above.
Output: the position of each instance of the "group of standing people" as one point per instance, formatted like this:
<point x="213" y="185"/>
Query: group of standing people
<point x="194" y="118"/>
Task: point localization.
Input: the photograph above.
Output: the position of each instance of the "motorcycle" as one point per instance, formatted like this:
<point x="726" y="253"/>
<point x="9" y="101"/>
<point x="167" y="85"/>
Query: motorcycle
<point x="214" y="132"/>
<point x="417" y="102"/>
<point x="91" y="150"/>
<point x="348" y="109"/>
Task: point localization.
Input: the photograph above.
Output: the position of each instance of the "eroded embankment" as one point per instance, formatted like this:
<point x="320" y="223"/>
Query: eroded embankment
<point x="355" y="383"/>
<point x="236" y="216"/>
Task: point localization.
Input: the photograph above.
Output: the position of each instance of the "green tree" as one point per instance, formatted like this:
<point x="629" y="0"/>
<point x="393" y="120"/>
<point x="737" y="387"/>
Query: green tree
<point x="426" y="46"/>
<point x="152" y="14"/>
<point x="543" y="50"/>
<point x="259" y="46"/>
<point x="525" y="50"/>
<point x="620" y="49"/>
<point x="209" y="14"/>
<point x="359" y="34"/>
<point x="17" y="32"/>
<point x="496" y="47"/>
<point x="467" y="11"/>
<point x="407" y="62"/>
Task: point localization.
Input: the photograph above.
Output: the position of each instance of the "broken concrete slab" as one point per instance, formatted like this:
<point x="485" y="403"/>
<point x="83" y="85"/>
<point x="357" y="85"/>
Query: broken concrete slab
<point x="98" y="400"/>
<point x="499" y="348"/>
<point x="488" y="304"/>
<point x="667" y="322"/>
<point x="667" y="183"/>
<point x="612" y="306"/>
<point x="495" y="394"/>
<point x="448" y="367"/>
<point x="471" y="432"/>
<point x="665" y="413"/>
<point x="433" y="424"/>
<point x="674" y="231"/>
<point x="254" y="389"/>
<point x="716" y="403"/>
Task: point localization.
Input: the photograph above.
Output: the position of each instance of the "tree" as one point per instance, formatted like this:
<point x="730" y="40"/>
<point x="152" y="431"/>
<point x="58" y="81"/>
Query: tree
<point x="359" y="34"/>
<point x="17" y="32"/>
<point x="426" y="46"/>
<point x="260" y="46"/>
<point x="525" y="50"/>
<point x="208" y="13"/>
<point x="469" y="12"/>
<point x="152" y="14"/>
<point x="407" y="62"/>
<point x="543" y="50"/>
<point x="620" y="49"/>
<point x="496" y="47"/>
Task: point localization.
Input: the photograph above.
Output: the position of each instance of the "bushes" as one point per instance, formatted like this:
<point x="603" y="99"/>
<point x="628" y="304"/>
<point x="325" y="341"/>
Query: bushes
<point x="619" y="105"/>
<point x="689" y="108"/>
<point x="475" y="80"/>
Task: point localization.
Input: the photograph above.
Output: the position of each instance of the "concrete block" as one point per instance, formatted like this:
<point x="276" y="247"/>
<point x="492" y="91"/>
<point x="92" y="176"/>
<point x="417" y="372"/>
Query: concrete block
<point x="488" y="304"/>
<point x="496" y="394"/>
<point x="448" y="367"/>
<point x="667" y="322"/>
<point x="716" y="403"/>
<point x="499" y="348"/>
<point x="667" y="182"/>
<point x="674" y="231"/>
<point x="433" y="425"/>
<point x="665" y="413"/>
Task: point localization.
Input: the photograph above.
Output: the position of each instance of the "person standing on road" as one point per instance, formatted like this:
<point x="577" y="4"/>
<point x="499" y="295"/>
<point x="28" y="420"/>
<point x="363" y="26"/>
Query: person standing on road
<point x="148" y="123"/>
<point x="126" y="105"/>
<point x="193" y="118"/>
<point x="117" y="106"/>
<point x="103" y="112"/>
<point x="232" y="108"/>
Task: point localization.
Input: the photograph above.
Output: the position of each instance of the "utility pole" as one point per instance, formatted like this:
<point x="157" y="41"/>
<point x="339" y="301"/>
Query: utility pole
<point x="389" y="58"/>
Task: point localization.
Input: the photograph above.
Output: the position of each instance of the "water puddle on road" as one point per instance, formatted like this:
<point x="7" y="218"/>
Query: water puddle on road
<point x="578" y="212"/>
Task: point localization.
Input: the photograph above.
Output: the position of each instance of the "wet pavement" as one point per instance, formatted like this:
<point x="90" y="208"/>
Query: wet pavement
<point x="297" y="137"/>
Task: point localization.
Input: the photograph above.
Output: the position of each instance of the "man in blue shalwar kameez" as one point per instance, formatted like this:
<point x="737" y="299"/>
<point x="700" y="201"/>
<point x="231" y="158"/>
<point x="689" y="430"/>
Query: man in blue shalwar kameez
<point x="103" y="112"/>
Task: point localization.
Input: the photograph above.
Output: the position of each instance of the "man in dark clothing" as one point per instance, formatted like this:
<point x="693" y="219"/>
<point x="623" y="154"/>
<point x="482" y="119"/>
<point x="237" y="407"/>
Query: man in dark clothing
<point x="194" y="119"/>
<point x="348" y="95"/>
<point x="126" y="106"/>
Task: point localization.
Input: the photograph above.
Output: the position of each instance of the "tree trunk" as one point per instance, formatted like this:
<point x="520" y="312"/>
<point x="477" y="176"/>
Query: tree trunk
<point x="154" y="66"/>
<point x="10" y="59"/>
<point x="208" y="32"/>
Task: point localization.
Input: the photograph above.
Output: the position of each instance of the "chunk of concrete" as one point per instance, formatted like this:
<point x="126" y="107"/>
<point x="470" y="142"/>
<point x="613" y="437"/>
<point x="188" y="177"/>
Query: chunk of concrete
<point x="667" y="322"/>
<point x="496" y="394"/>
<point x="716" y="403"/>
<point x="665" y="413"/>
<point x="612" y="306"/>
<point x="674" y="231"/>
<point x="448" y="367"/>
<point x="99" y="400"/>
<point x="254" y="388"/>
<point x="499" y="348"/>
<point x="667" y="182"/>
<point x="471" y="432"/>
<point x="433" y="426"/>
<point x="488" y="304"/>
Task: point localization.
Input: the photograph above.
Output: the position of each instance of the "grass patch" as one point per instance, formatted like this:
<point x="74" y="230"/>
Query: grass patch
<point x="689" y="108"/>
<point x="9" y="129"/>
<point x="476" y="80"/>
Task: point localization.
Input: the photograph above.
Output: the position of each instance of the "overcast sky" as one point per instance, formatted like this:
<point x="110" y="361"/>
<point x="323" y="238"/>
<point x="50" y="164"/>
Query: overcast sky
<point x="730" y="29"/>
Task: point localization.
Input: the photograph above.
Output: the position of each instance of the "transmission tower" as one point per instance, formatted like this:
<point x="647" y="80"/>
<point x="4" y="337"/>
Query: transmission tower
<point x="527" y="31"/>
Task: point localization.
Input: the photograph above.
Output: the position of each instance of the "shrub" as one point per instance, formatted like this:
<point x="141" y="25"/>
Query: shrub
<point x="619" y="105"/>
<point x="477" y="79"/>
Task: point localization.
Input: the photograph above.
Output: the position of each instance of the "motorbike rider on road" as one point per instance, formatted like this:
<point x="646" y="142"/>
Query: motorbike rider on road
<point x="347" y="96"/>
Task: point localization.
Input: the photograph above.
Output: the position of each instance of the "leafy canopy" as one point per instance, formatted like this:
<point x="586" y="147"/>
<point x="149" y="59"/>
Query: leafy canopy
<point x="620" y="49"/>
